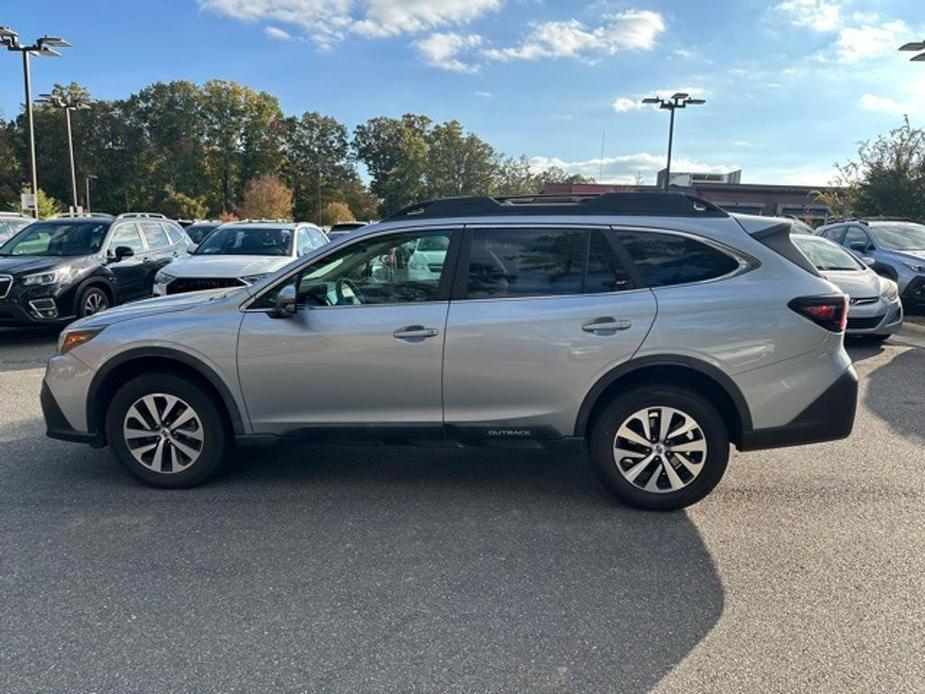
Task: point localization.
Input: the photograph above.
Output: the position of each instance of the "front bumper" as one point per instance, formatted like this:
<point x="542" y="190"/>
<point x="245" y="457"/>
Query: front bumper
<point x="57" y="426"/>
<point x="828" y="418"/>
<point x="875" y="319"/>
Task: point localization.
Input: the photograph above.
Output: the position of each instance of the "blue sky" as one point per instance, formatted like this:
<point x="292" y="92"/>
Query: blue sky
<point x="791" y="85"/>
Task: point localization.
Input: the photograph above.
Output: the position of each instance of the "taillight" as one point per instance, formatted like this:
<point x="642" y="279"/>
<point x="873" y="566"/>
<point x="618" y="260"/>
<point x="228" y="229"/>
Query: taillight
<point x="830" y="312"/>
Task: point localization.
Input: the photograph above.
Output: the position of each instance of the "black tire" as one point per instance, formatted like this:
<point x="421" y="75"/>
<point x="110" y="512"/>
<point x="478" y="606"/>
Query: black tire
<point x="211" y="436"/>
<point x="711" y="434"/>
<point x="92" y="295"/>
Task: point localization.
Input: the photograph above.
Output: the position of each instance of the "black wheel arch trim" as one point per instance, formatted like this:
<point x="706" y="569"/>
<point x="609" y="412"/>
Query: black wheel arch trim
<point x="99" y="280"/>
<point x="93" y="409"/>
<point x="699" y="366"/>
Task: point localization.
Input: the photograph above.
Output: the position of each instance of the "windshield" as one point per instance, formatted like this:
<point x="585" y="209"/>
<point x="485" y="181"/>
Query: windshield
<point x="826" y="255"/>
<point x="238" y="240"/>
<point x="58" y="239"/>
<point x="900" y="236"/>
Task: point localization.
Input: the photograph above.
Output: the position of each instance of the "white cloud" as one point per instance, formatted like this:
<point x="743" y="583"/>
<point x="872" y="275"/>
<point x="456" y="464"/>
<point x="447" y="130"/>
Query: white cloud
<point x="277" y="34"/>
<point x="883" y="104"/>
<point x="818" y="15"/>
<point x="907" y="98"/>
<point x="442" y="50"/>
<point x="624" y="168"/>
<point x="869" y="40"/>
<point x="741" y="143"/>
<point x="483" y="95"/>
<point x="328" y="21"/>
<point x="624" y="104"/>
<point x="631" y="30"/>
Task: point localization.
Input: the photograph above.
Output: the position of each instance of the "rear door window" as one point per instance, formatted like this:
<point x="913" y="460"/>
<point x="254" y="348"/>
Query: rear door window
<point x="126" y="234"/>
<point x="605" y="271"/>
<point x="668" y="259"/>
<point x="155" y="236"/>
<point x="526" y="262"/>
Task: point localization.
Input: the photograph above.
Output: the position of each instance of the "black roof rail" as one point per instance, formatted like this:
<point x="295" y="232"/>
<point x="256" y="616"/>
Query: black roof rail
<point x="623" y="204"/>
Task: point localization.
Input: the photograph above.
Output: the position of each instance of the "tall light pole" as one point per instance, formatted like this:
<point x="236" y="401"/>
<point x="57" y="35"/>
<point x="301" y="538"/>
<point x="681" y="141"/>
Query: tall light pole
<point x="918" y="47"/>
<point x="43" y="47"/>
<point x="679" y="100"/>
<point x="87" y="197"/>
<point x="67" y="104"/>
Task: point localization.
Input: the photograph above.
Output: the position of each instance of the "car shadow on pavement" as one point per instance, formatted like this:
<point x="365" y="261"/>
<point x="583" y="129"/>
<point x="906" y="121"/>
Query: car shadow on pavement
<point x="895" y="398"/>
<point x="347" y="569"/>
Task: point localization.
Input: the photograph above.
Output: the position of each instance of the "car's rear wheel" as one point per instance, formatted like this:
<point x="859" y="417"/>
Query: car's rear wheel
<point x="661" y="447"/>
<point x="166" y="431"/>
<point x="92" y="300"/>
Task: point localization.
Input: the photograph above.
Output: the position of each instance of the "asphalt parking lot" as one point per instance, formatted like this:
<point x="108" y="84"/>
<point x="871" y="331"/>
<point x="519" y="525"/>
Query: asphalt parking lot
<point x="373" y="570"/>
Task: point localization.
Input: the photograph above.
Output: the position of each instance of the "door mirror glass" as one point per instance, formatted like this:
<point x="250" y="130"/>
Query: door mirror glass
<point x="122" y="252"/>
<point x="868" y="261"/>
<point x="285" y="305"/>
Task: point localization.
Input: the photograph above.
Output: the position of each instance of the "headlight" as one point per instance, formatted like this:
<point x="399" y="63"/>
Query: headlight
<point x="889" y="291"/>
<point x="70" y="339"/>
<point x="45" y="278"/>
<point x="164" y="278"/>
<point x="250" y="279"/>
<point x="915" y="267"/>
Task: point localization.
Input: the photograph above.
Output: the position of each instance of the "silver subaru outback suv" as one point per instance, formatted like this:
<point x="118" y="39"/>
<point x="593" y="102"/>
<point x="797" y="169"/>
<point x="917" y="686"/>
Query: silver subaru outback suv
<point x="656" y="329"/>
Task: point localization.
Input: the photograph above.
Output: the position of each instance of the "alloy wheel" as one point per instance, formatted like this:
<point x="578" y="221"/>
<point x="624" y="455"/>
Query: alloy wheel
<point x="94" y="302"/>
<point x="660" y="449"/>
<point x="163" y="433"/>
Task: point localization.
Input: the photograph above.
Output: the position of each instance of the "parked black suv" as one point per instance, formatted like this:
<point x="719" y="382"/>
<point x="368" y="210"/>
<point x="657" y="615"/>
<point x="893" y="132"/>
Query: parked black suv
<point x="58" y="269"/>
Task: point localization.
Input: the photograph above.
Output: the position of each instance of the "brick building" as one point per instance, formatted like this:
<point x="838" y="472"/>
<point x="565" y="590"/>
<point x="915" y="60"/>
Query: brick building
<point x="726" y="191"/>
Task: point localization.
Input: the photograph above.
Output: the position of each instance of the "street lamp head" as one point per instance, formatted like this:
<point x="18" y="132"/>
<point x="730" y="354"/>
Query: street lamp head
<point x="695" y="102"/>
<point x="913" y="46"/>
<point x="55" y="41"/>
<point x="7" y="34"/>
<point x="46" y="52"/>
<point x="920" y="58"/>
<point x="680" y="96"/>
<point x="651" y="100"/>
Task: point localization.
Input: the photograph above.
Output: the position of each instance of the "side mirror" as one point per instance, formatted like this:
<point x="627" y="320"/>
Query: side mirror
<point x="868" y="261"/>
<point x="286" y="305"/>
<point x="121" y="253"/>
<point x="858" y="246"/>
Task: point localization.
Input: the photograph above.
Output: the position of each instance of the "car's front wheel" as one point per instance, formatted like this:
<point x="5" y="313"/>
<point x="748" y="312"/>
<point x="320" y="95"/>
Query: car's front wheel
<point x="661" y="447"/>
<point x="92" y="300"/>
<point x="166" y="430"/>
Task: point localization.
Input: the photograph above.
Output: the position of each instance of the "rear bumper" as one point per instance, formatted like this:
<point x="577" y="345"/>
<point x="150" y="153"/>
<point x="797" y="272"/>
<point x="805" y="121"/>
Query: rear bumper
<point x="57" y="426"/>
<point x="828" y="418"/>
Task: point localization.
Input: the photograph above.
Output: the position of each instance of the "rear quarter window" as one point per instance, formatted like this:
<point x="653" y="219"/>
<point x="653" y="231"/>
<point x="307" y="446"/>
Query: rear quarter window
<point x="669" y="259"/>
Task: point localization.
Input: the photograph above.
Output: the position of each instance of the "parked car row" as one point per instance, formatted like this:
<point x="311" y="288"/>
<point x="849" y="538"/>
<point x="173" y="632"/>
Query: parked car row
<point x="625" y="321"/>
<point x="73" y="266"/>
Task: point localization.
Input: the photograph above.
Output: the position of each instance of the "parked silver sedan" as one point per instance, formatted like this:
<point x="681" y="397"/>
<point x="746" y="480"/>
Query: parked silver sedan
<point x="874" y="309"/>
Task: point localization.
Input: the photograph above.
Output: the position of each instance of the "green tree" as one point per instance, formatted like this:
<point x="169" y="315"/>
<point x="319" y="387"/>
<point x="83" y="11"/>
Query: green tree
<point x="317" y="165"/>
<point x="242" y="141"/>
<point x="177" y="205"/>
<point x="457" y="163"/>
<point x="395" y="154"/>
<point x="888" y="177"/>
<point x="10" y="170"/>
<point x="335" y="212"/>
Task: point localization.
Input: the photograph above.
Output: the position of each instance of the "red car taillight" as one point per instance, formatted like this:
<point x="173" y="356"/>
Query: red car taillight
<point x="829" y="312"/>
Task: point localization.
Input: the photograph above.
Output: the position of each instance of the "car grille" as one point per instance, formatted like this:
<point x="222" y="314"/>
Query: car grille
<point x="864" y="323"/>
<point x="6" y="282"/>
<point x="864" y="301"/>
<point x="197" y="284"/>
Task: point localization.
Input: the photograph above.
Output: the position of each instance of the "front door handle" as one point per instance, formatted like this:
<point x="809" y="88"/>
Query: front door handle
<point x="415" y="333"/>
<point x="606" y="325"/>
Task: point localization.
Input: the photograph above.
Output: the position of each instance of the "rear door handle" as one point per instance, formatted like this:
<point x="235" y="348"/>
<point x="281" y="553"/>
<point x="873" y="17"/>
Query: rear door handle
<point x="415" y="333"/>
<point x="606" y="325"/>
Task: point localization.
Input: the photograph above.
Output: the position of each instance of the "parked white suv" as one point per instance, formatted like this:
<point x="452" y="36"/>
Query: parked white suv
<point x="654" y="328"/>
<point x="238" y="254"/>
